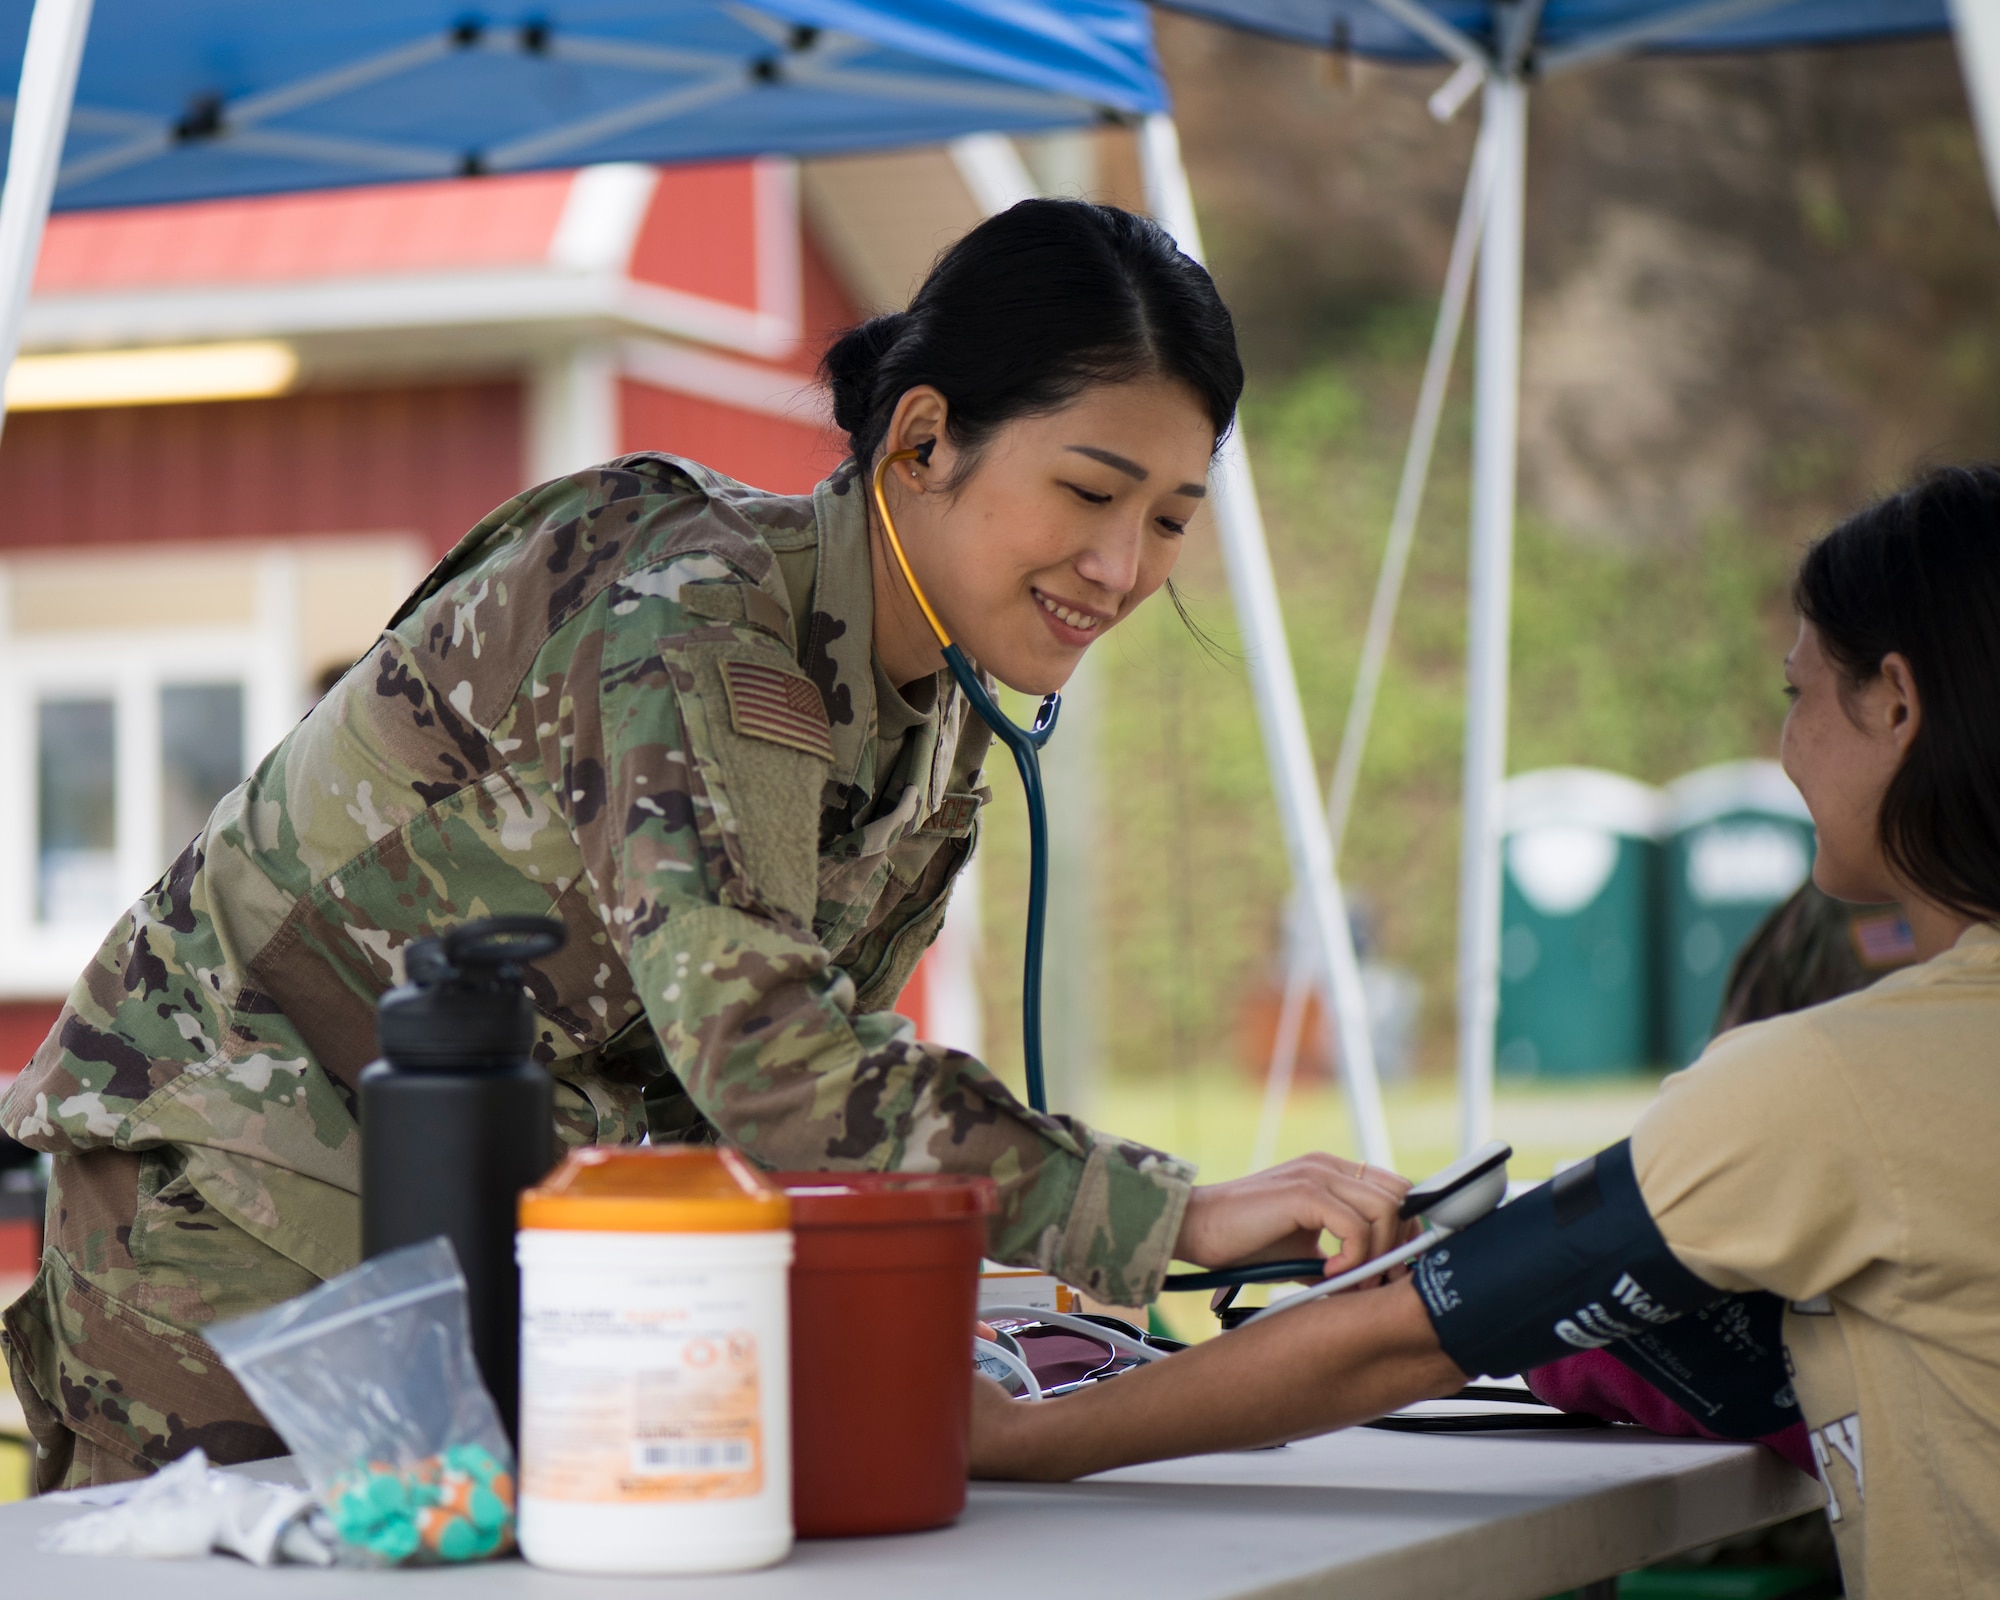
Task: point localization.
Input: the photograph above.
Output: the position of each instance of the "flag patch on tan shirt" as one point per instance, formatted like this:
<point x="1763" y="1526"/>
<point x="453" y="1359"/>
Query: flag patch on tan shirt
<point x="770" y="703"/>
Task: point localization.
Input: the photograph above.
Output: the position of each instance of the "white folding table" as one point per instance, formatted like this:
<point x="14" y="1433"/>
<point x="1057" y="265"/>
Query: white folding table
<point x="1362" y="1515"/>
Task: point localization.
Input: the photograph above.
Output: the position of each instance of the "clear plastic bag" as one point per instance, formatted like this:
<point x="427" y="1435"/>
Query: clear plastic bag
<point x="370" y="1380"/>
<point x="187" y="1509"/>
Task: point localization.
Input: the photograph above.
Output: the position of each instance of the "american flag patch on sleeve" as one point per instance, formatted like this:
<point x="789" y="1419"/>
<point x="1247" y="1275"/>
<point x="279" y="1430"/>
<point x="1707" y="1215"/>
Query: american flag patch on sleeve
<point x="767" y="702"/>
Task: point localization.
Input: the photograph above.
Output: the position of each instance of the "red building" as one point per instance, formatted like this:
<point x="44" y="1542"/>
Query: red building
<point x="177" y="576"/>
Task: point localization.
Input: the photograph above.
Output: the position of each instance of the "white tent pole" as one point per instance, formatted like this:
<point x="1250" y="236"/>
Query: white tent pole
<point x="1252" y="584"/>
<point x="41" y="122"/>
<point x="1410" y="493"/>
<point x="1632" y="37"/>
<point x="1420" y="19"/>
<point x="1976" y="27"/>
<point x="1283" y="1065"/>
<point x="990" y="166"/>
<point x="1496" y="408"/>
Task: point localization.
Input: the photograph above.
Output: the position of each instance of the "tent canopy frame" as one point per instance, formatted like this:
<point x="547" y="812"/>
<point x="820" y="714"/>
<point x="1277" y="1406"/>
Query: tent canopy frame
<point x="1491" y="224"/>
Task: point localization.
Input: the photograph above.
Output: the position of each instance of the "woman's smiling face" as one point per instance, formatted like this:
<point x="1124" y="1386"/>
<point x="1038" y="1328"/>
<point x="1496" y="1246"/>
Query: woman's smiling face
<point x="1062" y="525"/>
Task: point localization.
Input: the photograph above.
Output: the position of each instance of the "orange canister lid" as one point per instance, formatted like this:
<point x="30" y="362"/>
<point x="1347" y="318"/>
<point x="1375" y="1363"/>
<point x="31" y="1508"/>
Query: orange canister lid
<point x="671" y="1189"/>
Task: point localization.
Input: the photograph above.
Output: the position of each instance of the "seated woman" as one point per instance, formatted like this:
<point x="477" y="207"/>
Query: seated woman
<point x="1830" y="1168"/>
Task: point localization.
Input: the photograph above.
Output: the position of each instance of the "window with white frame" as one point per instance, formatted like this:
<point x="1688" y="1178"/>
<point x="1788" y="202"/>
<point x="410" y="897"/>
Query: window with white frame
<point x="137" y="688"/>
<point x="200" y="758"/>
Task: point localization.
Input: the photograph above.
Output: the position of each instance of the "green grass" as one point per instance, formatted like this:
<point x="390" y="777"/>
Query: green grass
<point x="1213" y="1120"/>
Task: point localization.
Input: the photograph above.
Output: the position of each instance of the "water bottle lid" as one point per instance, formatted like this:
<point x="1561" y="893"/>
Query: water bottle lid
<point x="464" y="1008"/>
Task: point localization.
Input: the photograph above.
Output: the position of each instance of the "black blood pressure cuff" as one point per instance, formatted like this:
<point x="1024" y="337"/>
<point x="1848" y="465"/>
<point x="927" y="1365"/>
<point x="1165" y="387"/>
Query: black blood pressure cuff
<point x="1579" y="1264"/>
<point x="1724" y="1365"/>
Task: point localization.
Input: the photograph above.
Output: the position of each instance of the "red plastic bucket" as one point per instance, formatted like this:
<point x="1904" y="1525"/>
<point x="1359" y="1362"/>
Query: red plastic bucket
<point x="885" y="1287"/>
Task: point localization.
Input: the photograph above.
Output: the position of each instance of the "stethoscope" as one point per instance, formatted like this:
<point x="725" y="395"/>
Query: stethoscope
<point x="1026" y="745"/>
<point x="1447" y="1201"/>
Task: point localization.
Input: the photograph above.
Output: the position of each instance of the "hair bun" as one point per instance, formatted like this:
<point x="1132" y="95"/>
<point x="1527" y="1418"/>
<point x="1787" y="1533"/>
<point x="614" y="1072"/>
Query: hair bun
<point x="853" y="366"/>
<point x="1023" y="314"/>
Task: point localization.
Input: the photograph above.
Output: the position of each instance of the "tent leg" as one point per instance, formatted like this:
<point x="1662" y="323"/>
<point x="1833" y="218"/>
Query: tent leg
<point x="1381" y="623"/>
<point x="990" y="166"/>
<point x="41" y="122"/>
<point x="1976" y="29"/>
<point x="1496" y="402"/>
<point x="1409" y="495"/>
<point x="1279" y="711"/>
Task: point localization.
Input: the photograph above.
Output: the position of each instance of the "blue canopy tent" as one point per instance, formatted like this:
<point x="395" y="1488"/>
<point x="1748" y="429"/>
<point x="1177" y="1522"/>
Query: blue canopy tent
<point x="131" y="102"/>
<point x="127" y="102"/>
<point x="200" y="98"/>
<point x="1504" y="47"/>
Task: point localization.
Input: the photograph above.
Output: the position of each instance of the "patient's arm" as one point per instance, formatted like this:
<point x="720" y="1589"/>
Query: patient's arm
<point x="1338" y="1361"/>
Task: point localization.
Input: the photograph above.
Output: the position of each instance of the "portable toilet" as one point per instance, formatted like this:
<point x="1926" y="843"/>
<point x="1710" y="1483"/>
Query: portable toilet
<point x="1579" y="898"/>
<point x="1738" y="840"/>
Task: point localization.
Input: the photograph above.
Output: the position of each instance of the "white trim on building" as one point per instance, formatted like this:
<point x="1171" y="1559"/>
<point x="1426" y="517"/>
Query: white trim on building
<point x="103" y="627"/>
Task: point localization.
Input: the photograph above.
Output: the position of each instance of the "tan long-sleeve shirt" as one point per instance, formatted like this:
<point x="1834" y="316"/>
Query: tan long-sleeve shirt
<point x="1847" y="1158"/>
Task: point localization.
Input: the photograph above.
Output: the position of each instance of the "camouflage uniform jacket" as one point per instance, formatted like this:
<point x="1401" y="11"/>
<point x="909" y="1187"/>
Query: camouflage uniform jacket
<point x="642" y="699"/>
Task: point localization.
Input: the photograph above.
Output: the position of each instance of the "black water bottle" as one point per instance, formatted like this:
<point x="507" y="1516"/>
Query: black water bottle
<point x="457" y="1118"/>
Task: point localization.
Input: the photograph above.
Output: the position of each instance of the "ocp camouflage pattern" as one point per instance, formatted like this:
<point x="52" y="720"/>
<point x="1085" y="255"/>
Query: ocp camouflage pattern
<point x="543" y="728"/>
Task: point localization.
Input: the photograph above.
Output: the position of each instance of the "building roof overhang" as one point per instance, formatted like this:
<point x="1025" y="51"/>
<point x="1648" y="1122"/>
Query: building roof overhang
<point x="448" y="275"/>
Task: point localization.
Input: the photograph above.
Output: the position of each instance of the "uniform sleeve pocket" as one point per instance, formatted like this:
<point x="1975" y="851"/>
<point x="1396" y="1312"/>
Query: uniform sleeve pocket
<point x="758" y="728"/>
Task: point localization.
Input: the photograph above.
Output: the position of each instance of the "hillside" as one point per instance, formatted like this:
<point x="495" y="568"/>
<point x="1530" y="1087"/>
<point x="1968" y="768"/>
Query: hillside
<point x="1760" y="290"/>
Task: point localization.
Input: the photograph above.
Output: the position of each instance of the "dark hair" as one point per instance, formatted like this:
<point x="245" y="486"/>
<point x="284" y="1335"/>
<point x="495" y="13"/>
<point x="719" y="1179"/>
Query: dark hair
<point x="1027" y="311"/>
<point x="1919" y="576"/>
<point x="1811" y="949"/>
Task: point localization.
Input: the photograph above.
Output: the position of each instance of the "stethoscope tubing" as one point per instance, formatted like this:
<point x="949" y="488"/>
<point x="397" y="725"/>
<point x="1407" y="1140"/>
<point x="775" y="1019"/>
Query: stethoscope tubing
<point x="1025" y="745"/>
<point x="1124" y="1344"/>
<point x="1302" y="1269"/>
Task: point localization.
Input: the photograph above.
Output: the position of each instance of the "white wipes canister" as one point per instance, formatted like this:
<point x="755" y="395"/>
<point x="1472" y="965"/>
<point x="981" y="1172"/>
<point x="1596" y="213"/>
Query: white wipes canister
<point x="655" y="1364"/>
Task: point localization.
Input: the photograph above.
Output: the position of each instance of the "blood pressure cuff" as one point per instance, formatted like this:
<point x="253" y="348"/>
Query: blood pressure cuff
<point x="1579" y="1264"/>
<point x="1724" y="1365"/>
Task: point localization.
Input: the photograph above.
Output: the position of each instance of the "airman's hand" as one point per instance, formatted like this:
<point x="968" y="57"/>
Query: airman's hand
<point x="1281" y="1213"/>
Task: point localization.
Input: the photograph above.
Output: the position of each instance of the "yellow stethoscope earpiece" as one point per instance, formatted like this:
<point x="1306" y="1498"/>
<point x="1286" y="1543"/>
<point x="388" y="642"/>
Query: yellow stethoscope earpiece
<point x="922" y="453"/>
